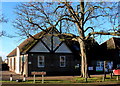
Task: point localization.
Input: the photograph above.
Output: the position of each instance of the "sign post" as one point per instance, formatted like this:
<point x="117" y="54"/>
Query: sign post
<point x="104" y="71"/>
<point x="39" y="73"/>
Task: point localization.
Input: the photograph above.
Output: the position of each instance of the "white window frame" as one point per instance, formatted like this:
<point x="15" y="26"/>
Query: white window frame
<point x="43" y="61"/>
<point x="63" y="61"/>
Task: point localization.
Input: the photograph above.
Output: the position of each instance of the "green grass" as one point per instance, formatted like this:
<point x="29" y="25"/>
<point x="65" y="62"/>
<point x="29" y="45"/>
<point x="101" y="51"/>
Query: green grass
<point x="95" y="79"/>
<point x="39" y="81"/>
<point x="74" y="80"/>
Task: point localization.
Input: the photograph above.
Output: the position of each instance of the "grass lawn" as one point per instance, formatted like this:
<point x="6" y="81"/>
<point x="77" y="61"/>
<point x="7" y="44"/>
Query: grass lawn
<point x="75" y="80"/>
<point x="97" y="80"/>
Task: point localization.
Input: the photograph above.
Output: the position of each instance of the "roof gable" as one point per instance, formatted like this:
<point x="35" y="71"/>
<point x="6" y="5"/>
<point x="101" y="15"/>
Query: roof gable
<point x="30" y="43"/>
<point x="117" y="42"/>
<point x="50" y="43"/>
<point x="39" y="47"/>
<point x="112" y="43"/>
<point x="63" y="49"/>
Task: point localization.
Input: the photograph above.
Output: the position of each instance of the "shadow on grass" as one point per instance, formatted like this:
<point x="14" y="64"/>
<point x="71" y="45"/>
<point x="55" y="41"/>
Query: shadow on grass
<point x="48" y="81"/>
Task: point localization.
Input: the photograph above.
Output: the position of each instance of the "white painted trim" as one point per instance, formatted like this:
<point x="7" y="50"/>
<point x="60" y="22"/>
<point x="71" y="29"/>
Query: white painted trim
<point x="9" y="62"/>
<point x="18" y="61"/>
<point x="41" y="61"/>
<point x="12" y="63"/>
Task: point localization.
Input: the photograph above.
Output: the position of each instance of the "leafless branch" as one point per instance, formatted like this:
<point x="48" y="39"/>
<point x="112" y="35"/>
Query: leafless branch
<point x="89" y="28"/>
<point x="103" y="33"/>
<point x="67" y="19"/>
<point x="58" y="8"/>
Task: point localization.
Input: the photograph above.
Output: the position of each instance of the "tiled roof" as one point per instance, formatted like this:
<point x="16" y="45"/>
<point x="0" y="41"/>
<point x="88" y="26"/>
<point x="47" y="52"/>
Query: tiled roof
<point x="112" y="43"/>
<point x="29" y="42"/>
<point x="117" y="42"/>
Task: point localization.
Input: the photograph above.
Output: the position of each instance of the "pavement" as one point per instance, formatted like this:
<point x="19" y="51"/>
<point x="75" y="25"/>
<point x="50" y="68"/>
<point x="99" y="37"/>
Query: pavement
<point x="6" y="75"/>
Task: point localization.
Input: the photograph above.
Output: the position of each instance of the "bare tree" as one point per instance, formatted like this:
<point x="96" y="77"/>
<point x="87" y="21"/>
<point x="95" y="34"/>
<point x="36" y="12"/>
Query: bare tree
<point x="2" y="20"/>
<point x="4" y="33"/>
<point x="36" y="16"/>
<point x="82" y="14"/>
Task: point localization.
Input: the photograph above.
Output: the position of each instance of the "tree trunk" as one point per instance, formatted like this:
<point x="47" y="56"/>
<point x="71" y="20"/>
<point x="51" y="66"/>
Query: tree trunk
<point x="84" y="71"/>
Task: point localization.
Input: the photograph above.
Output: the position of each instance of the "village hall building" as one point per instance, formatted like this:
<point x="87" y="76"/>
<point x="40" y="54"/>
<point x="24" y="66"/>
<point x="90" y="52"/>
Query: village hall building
<point x="47" y="53"/>
<point x="59" y="55"/>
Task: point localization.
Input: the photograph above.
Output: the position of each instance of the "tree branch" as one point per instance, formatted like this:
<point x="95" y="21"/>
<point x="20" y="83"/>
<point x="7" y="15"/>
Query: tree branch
<point x="103" y="33"/>
<point x="87" y="17"/>
<point x="96" y="7"/>
<point x="33" y="37"/>
<point x="89" y="28"/>
<point x="72" y="12"/>
<point x="68" y="19"/>
<point x="96" y="16"/>
<point x="30" y="21"/>
<point x="58" y="8"/>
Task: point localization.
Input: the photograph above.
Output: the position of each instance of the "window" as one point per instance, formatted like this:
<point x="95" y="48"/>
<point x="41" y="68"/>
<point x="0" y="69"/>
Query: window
<point x="100" y="63"/>
<point x="99" y="66"/>
<point x="62" y="61"/>
<point x="41" y="61"/>
<point x="119" y="53"/>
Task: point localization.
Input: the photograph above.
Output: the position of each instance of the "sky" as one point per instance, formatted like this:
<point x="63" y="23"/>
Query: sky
<point x="8" y="44"/>
<point x="58" y="0"/>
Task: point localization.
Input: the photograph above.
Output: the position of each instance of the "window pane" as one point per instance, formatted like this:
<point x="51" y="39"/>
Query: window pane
<point x="41" y="61"/>
<point x="62" y="64"/>
<point x="41" y="58"/>
<point x="62" y="61"/>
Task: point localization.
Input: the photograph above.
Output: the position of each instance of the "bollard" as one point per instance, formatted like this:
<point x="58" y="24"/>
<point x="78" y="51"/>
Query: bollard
<point x="117" y="78"/>
<point x="42" y="79"/>
<point x="24" y="78"/>
<point x="11" y="77"/>
<point x="34" y="78"/>
<point x="103" y="79"/>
